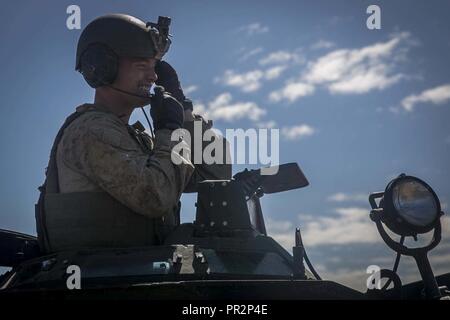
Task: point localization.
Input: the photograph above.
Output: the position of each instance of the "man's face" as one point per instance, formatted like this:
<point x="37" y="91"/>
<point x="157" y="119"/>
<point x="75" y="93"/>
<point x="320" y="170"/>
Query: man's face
<point x="136" y="76"/>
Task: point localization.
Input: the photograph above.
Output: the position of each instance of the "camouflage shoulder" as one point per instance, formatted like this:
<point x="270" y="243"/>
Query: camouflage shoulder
<point x="103" y="126"/>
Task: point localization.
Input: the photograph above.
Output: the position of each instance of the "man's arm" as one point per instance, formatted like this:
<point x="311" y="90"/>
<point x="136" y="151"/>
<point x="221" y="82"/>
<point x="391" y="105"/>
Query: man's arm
<point x="108" y="156"/>
<point x="203" y="171"/>
<point x="168" y="78"/>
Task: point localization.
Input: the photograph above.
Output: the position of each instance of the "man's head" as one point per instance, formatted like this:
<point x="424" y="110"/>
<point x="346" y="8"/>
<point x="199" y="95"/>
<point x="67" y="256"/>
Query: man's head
<point x="135" y="76"/>
<point x="120" y="51"/>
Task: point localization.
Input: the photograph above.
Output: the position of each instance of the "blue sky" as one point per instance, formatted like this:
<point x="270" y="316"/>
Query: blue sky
<point x="355" y="107"/>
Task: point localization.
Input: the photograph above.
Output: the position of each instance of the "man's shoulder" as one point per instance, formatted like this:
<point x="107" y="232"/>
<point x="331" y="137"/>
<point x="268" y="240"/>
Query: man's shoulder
<point x="90" y="116"/>
<point x="93" y="123"/>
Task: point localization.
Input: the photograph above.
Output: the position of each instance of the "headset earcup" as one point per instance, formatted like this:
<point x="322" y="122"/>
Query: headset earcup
<point x="99" y="65"/>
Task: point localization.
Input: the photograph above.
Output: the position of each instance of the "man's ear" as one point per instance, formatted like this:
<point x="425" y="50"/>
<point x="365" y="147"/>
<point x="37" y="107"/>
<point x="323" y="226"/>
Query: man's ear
<point x="125" y="65"/>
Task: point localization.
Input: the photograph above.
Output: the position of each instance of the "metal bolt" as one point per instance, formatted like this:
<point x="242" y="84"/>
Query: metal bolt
<point x="177" y="258"/>
<point x="212" y="184"/>
<point x="224" y="184"/>
<point x="200" y="257"/>
<point x="211" y="204"/>
<point x="212" y="223"/>
<point x="224" y="203"/>
<point x="48" y="264"/>
<point x="225" y="223"/>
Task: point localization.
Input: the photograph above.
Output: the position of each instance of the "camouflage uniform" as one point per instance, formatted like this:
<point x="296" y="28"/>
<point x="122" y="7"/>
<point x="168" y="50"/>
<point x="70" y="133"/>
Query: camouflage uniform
<point x="98" y="153"/>
<point x="110" y="185"/>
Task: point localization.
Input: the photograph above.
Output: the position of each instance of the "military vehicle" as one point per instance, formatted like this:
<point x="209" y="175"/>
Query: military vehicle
<point x="226" y="252"/>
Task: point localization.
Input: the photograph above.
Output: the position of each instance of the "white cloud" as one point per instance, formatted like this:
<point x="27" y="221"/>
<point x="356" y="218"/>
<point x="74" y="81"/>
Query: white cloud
<point x="281" y="57"/>
<point x="353" y="278"/>
<point x="274" y="72"/>
<point x="437" y="95"/>
<point x="222" y="108"/>
<point x="441" y="259"/>
<point x="278" y="226"/>
<point x="190" y="89"/>
<point x="220" y="100"/>
<point x="282" y="232"/>
<point x="292" y="91"/>
<point x="351" y="225"/>
<point x="358" y="71"/>
<point x="365" y="80"/>
<point x="445" y="221"/>
<point x="237" y="111"/>
<point x="250" y="81"/>
<point x="268" y="125"/>
<point x="345" y="71"/>
<point x="249" y="54"/>
<point x="254" y="28"/>
<point x="274" y="64"/>
<point x="342" y="197"/>
<point x="322" y="44"/>
<point x="247" y="82"/>
<point x="297" y="132"/>
<point x="199" y="107"/>
<point x="305" y="217"/>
